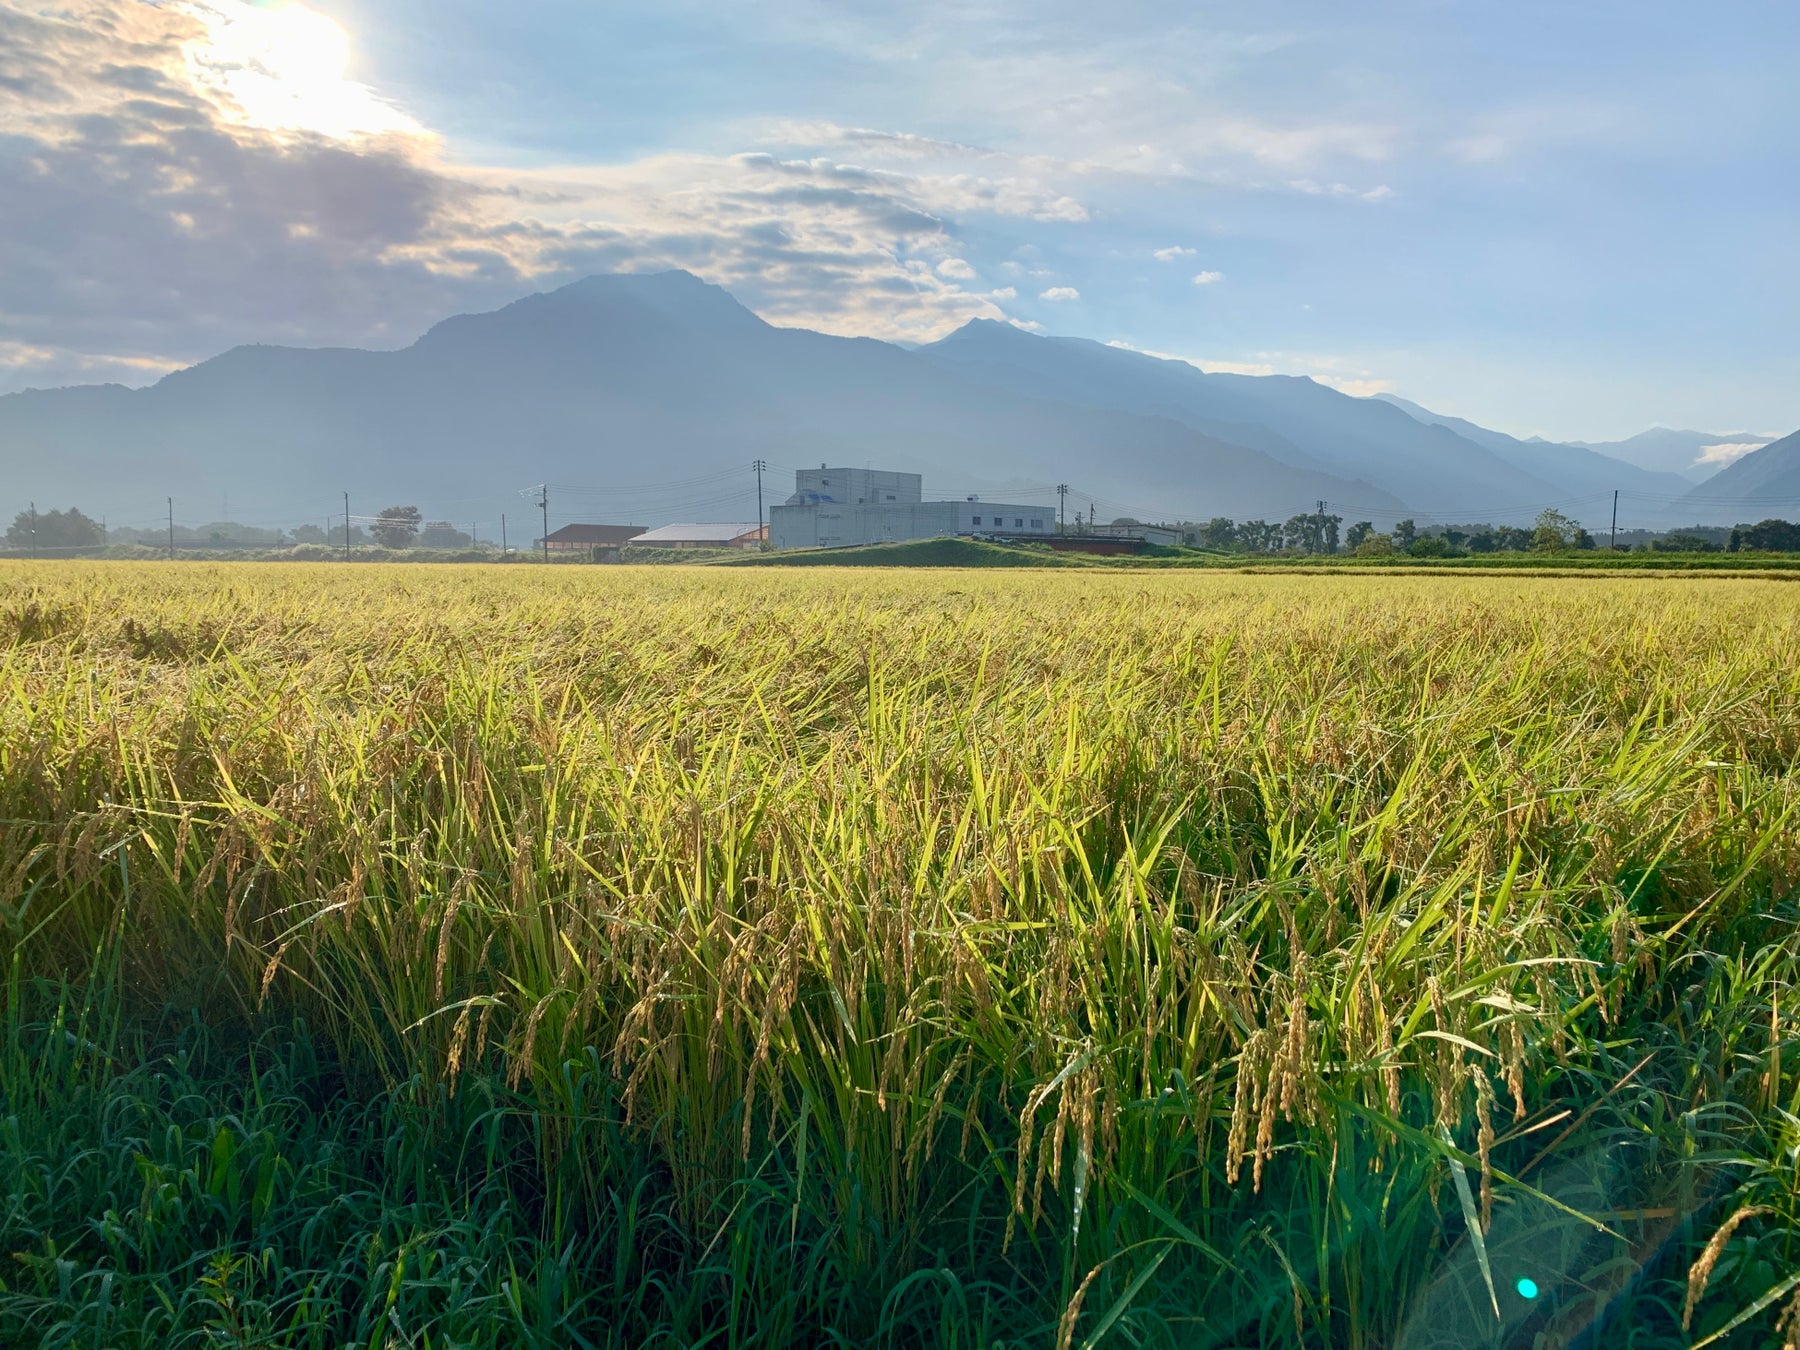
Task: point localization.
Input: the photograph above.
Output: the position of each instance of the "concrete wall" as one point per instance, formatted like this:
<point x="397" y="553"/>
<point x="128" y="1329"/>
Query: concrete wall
<point x="837" y="526"/>
<point x="852" y="487"/>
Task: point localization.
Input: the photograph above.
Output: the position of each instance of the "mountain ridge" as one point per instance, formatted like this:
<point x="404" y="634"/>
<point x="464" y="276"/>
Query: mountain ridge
<point x="1765" y="482"/>
<point x="620" y="378"/>
<point x="611" y="380"/>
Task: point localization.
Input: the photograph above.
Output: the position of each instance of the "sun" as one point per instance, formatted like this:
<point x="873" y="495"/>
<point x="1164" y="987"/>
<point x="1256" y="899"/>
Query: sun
<point x="284" y="67"/>
<point x="300" y="47"/>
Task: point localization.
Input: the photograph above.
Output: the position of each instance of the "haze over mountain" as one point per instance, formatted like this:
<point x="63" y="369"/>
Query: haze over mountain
<point x="615" y="381"/>
<point x="1764" y="483"/>
<point x="1441" y="470"/>
<point x="1578" y="469"/>
<point x="645" y="397"/>
<point x="1681" y="452"/>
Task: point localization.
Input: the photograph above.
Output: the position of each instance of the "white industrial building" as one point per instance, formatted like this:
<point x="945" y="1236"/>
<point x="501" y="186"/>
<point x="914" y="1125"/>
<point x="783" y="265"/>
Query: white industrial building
<point x="835" y="507"/>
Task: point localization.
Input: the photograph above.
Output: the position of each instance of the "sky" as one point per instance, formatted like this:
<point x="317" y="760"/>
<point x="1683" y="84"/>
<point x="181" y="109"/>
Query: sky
<point x="1575" y="219"/>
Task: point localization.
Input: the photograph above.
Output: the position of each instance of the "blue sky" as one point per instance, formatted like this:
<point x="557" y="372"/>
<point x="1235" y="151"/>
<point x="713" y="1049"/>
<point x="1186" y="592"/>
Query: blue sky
<point x="1574" y="219"/>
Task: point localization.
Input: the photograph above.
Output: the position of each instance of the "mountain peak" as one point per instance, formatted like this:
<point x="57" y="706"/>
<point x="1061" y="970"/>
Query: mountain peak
<point x="613" y="306"/>
<point x="983" y="331"/>
<point x="671" y="292"/>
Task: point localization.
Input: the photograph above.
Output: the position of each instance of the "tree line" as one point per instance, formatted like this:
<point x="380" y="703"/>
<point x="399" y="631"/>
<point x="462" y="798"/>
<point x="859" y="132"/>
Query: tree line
<point x="1552" y="532"/>
<point x="63" y="532"/>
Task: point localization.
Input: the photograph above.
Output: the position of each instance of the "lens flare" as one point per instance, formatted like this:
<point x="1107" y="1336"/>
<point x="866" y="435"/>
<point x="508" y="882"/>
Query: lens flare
<point x="285" y="67"/>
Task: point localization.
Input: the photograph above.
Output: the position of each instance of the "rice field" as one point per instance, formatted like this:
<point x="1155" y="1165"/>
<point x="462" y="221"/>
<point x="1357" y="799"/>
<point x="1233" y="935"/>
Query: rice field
<point x="466" y="956"/>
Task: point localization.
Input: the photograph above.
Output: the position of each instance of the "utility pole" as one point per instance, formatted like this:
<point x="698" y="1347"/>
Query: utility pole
<point x="472" y="525"/>
<point x="346" y="527"/>
<point x="171" y="529"/>
<point x="1615" y="525"/>
<point x="759" y="465"/>
<point x="503" y="534"/>
<point x="34" y="529"/>
<point x="1062" y="508"/>
<point x="544" y="506"/>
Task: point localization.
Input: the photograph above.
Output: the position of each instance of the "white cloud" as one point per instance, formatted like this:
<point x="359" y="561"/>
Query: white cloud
<point x="1059" y="293"/>
<point x="1174" y="253"/>
<point x="1211" y="367"/>
<point x="1313" y="188"/>
<point x="1356" y="387"/>
<point x="165" y="202"/>
<point x="1208" y="278"/>
<point x="1226" y="152"/>
<point x="1724" y="452"/>
<point x="1544" y="122"/>
<point x="1003" y="293"/>
<point x="1328" y="370"/>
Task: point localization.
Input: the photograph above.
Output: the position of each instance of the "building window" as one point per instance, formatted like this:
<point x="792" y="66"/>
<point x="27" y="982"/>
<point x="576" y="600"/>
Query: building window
<point x="1037" y="524"/>
<point x="978" y="520"/>
<point x="1018" y="522"/>
<point x="890" y="496"/>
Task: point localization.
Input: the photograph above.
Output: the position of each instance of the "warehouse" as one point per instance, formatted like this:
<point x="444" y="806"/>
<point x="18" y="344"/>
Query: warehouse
<point x="705" y="535"/>
<point x="584" y="538"/>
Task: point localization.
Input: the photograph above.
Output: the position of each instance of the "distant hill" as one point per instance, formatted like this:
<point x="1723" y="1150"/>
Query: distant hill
<point x="1668" y="451"/>
<point x="1578" y="471"/>
<point x="646" y="396"/>
<point x="1307" y="425"/>
<point x="1765" y="483"/>
<point x="610" y="383"/>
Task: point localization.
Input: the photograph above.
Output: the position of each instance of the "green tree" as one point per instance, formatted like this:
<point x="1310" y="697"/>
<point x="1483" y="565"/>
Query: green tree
<point x="1358" y="532"/>
<point x="396" y="526"/>
<point x="442" y="534"/>
<point x="1680" y="541"/>
<point x="1259" y="536"/>
<point x="1405" y="532"/>
<point x="1220" y="532"/>
<point x="1553" y="531"/>
<point x="1773" y="536"/>
<point x="53" y="532"/>
<point x="1328" y="532"/>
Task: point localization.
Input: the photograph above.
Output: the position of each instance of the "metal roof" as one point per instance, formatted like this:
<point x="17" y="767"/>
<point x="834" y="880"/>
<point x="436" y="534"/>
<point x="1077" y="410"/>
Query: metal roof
<point x="595" y="534"/>
<point x="707" y="533"/>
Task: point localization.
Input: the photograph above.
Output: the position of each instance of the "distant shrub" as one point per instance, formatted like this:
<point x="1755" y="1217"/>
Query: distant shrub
<point x="1681" y="542"/>
<point x="1430" y="546"/>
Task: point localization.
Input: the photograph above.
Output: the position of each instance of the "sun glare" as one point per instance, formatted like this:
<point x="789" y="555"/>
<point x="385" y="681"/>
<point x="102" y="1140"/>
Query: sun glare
<point x="285" y="67"/>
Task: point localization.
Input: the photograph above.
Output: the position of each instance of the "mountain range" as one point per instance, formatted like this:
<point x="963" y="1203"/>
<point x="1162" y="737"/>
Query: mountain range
<point x="647" y="396"/>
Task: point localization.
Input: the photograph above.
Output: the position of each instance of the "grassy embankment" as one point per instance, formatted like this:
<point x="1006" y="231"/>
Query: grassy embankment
<point x="959" y="552"/>
<point x="980" y="553"/>
<point x="667" y="956"/>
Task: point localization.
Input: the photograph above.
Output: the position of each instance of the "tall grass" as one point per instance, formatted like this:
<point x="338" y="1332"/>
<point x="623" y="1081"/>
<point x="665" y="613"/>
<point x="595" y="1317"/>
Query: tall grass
<point x="1033" y="958"/>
